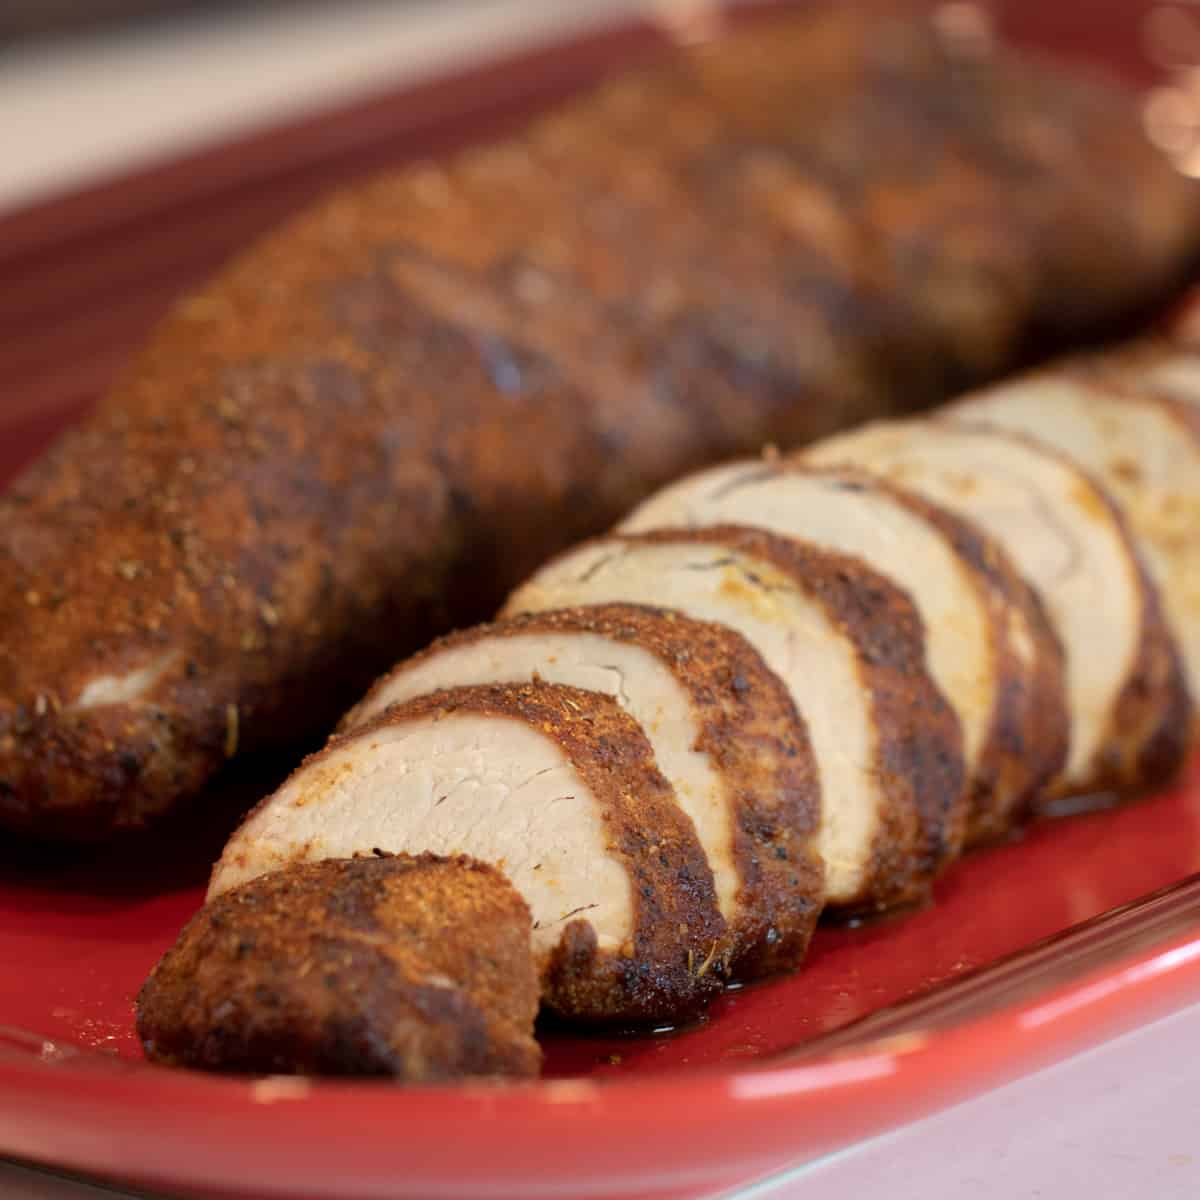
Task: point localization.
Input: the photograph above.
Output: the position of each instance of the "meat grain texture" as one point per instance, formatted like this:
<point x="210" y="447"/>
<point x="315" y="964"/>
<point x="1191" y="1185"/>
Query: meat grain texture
<point x="849" y="646"/>
<point x="724" y="732"/>
<point x="988" y="644"/>
<point x="569" y="802"/>
<point x="379" y="419"/>
<point x="1127" y="693"/>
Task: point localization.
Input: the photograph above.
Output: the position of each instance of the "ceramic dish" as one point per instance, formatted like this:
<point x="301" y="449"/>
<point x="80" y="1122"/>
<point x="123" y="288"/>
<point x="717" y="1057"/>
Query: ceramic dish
<point x="1080" y="929"/>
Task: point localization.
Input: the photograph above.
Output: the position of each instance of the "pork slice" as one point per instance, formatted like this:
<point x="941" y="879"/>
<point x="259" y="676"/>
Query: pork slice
<point x="1143" y="450"/>
<point x="1126" y="691"/>
<point x="723" y="730"/>
<point x="987" y="647"/>
<point x="555" y="786"/>
<point x="848" y="647"/>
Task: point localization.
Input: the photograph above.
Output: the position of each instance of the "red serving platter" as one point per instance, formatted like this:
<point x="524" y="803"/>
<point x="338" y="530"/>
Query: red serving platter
<point x="1081" y="928"/>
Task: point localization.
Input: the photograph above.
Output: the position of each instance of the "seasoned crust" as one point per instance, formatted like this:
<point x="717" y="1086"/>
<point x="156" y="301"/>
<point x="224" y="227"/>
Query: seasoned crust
<point x="166" y="537"/>
<point x="1029" y="730"/>
<point x="1150" y="732"/>
<point x="918" y="750"/>
<point x="1149" y="728"/>
<point x="1148" y="457"/>
<point x="750" y="729"/>
<point x="371" y="377"/>
<point x="1094" y="584"/>
<point x="366" y="966"/>
<point x="990" y="646"/>
<point x="669" y="967"/>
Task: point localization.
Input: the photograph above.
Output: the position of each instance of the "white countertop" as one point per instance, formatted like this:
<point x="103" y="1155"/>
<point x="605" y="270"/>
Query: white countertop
<point x="1121" y="1121"/>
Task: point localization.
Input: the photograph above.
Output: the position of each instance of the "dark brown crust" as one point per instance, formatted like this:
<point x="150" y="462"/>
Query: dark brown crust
<point x="668" y="971"/>
<point x="1029" y="731"/>
<point x="1150" y="732"/>
<point x="750" y="730"/>
<point x="1029" y="728"/>
<point x="918" y="751"/>
<point x="1155" y="709"/>
<point x="369" y="966"/>
<point x="1031" y="725"/>
<point x="372" y="424"/>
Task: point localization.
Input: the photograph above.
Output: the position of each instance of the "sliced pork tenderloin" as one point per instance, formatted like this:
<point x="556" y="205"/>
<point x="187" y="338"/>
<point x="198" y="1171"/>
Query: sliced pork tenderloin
<point x="1144" y="451"/>
<point x="368" y="966"/>
<point x="724" y="732"/>
<point x="988" y="644"/>
<point x="555" y="786"/>
<point x="1127" y="693"/>
<point x="1169" y="368"/>
<point x="848" y="646"/>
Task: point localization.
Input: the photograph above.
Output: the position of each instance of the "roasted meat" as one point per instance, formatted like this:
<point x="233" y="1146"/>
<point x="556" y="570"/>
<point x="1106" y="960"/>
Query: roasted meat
<point x="367" y="966"/>
<point x="559" y="788"/>
<point x="988" y="645"/>
<point x="374" y="423"/>
<point x="1126" y="689"/>
<point x="723" y="729"/>
<point x="784" y="685"/>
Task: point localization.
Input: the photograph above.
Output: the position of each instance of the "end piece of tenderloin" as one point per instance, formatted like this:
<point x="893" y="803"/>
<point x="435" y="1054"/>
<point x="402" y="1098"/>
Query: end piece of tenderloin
<point x="848" y="646"/>
<point x="367" y="966"/>
<point x="1143" y="447"/>
<point x="723" y="730"/>
<point x="1126" y="690"/>
<point x="558" y="789"/>
<point x="989" y="646"/>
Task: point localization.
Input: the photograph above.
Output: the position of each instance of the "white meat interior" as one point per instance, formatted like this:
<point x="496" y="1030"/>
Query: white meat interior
<point x="485" y="785"/>
<point x="813" y="658"/>
<point x="127" y="688"/>
<point x="1145" y="459"/>
<point x="634" y="677"/>
<point x="878" y="530"/>
<point x="1052" y="522"/>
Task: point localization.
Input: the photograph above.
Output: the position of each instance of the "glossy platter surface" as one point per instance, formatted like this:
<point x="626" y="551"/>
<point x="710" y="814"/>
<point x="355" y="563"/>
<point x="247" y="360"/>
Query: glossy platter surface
<point x="1081" y="928"/>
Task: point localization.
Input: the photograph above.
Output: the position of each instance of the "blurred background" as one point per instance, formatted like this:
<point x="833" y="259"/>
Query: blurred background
<point x="92" y="87"/>
<point x="26" y="18"/>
